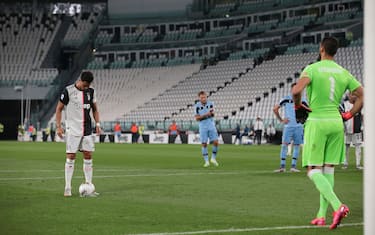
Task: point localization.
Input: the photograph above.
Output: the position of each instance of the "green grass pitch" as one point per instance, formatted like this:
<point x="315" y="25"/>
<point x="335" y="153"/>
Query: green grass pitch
<point x="164" y="189"/>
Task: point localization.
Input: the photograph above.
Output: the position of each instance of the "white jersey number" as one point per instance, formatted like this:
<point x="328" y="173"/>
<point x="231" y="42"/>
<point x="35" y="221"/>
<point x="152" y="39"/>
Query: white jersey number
<point x="332" y="89"/>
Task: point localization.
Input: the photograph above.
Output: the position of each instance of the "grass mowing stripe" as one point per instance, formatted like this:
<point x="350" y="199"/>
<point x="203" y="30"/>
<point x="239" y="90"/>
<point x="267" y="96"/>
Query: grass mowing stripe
<point x="135" y="175"/>
<point x="138" y="175"/>
<point x="156" y="170"/>
<point x="240" y="230"/>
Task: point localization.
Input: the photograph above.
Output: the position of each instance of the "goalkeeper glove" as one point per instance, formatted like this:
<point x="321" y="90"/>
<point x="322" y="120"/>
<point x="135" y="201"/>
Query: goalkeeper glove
<point x="346" y="116"/>
<point x="302" y="112"/>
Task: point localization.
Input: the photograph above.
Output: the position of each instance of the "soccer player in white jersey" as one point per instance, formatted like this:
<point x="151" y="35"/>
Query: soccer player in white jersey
<point x="353" y="132"/>
<point x="78" y="100"/>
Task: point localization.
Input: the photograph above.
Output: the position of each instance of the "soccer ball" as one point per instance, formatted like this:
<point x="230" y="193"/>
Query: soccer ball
<point x="86" y="189"/>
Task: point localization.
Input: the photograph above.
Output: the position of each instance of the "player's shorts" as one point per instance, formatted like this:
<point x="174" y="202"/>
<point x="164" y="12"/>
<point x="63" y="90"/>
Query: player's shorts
<point x="294" y="133"/>
<point x="324" y="142"/>
<point x="118" y="134"/>
<point x="355" y="138"/>
<point x="79" y="143"/>
<point x="208" y="134"/>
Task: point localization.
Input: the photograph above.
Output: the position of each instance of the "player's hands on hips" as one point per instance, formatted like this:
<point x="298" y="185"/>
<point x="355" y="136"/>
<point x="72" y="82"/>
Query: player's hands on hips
<point x="285" y="120"/>
<point x="60" y="132"/>
<point x="346" y="116"/>
<point x="302" y="112"/>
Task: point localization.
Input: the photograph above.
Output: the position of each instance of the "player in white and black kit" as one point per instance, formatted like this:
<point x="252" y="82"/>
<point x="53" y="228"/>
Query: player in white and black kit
<point x="78" y="100"/>
<point x="353" y="132"/>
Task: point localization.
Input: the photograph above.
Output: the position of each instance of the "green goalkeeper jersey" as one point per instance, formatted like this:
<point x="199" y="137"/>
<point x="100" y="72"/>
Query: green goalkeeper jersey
<point x="328" y="83"/>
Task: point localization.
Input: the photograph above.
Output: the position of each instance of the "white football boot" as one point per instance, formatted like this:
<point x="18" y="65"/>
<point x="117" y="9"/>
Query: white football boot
<point x="214" y="162"/>
<point x="293" y="169"/>
<point x="280" y="170"/>
<point x="68" y="192"/>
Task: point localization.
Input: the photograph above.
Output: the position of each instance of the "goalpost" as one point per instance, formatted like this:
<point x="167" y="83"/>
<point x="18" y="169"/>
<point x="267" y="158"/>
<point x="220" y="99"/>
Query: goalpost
<point x="369" y="111"/>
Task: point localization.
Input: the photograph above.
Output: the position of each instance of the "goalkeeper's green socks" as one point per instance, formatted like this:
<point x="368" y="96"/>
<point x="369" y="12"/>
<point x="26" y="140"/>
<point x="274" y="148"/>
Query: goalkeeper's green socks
<point x="328" y="172"/>
<point x="324" y="187"/>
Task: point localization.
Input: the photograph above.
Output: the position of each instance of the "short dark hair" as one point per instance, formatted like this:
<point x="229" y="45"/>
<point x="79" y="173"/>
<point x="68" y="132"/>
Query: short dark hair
<point x="201" y="93"/>
<point x="330" y="45"/>
<point x="87" y="76"/>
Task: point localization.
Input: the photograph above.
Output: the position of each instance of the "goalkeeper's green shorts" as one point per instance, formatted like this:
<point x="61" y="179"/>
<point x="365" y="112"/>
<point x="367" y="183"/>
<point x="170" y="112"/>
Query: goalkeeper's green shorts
<point x="324" y="142"/>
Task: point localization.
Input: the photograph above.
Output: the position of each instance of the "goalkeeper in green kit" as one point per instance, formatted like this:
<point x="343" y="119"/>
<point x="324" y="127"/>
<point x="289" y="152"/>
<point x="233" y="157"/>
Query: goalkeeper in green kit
<point x="326" y="82"/>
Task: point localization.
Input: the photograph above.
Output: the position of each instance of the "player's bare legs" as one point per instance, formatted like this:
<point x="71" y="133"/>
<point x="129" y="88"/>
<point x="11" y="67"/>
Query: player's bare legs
<point x="69" y="169"/>
<point x="214" y="152"/>
<point x="323" y="178"/>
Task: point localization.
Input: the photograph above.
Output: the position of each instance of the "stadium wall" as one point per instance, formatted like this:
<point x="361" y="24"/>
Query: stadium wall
<point x="34" y="93"/>
<point x="10" y="113"/>
<point x="146" y="8"/>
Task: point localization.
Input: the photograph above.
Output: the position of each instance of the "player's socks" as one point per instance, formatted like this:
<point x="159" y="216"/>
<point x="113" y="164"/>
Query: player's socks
<point x="205" y="154"/>
<point x="328" y="172"/>
<point x="214" y="151"/>
<point x="69" y="169"/>
<point x="347" y="150"/>
<point x="295" y="156"/>
<point x="358" y="153"/>
<point x="87" y="169"/>
<point x="283" y="152"/>
<point x="324" y="187"/>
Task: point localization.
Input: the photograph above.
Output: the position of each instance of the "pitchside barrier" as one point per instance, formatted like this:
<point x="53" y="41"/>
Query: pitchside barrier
<point x="149" y="137"/>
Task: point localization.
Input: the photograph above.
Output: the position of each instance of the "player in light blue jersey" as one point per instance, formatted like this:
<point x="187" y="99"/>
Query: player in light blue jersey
<point x="204" y="113"/>
<point x="292" y="131"/>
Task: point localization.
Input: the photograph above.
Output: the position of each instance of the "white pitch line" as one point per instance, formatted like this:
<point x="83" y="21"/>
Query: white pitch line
<point x="62" y="170"/>
<point x="101" y="169"/>
<point x="240" y="230"/>
<point x="140" y="169"/>
<point x="129" y="175"/>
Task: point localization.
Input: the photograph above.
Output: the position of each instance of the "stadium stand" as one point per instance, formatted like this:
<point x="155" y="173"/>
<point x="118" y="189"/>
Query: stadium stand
<point x="182" y="96"/>
<point x="122" y="90"/>
<point x="129" y="38"/>
<point x="281" y="69"/>
<point x="351" y="58"/>
<point x="222" y="9"/>
<point x="252" y="85"/>
<point x="81" y="27"/>
<point x="245" y="54"/>
<point x="255" y="6"/>
<point x="25" y="40"/>
<point x="302" y="48"/>
<point x="240" y="92"/>
<point x="104" y="37"/>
